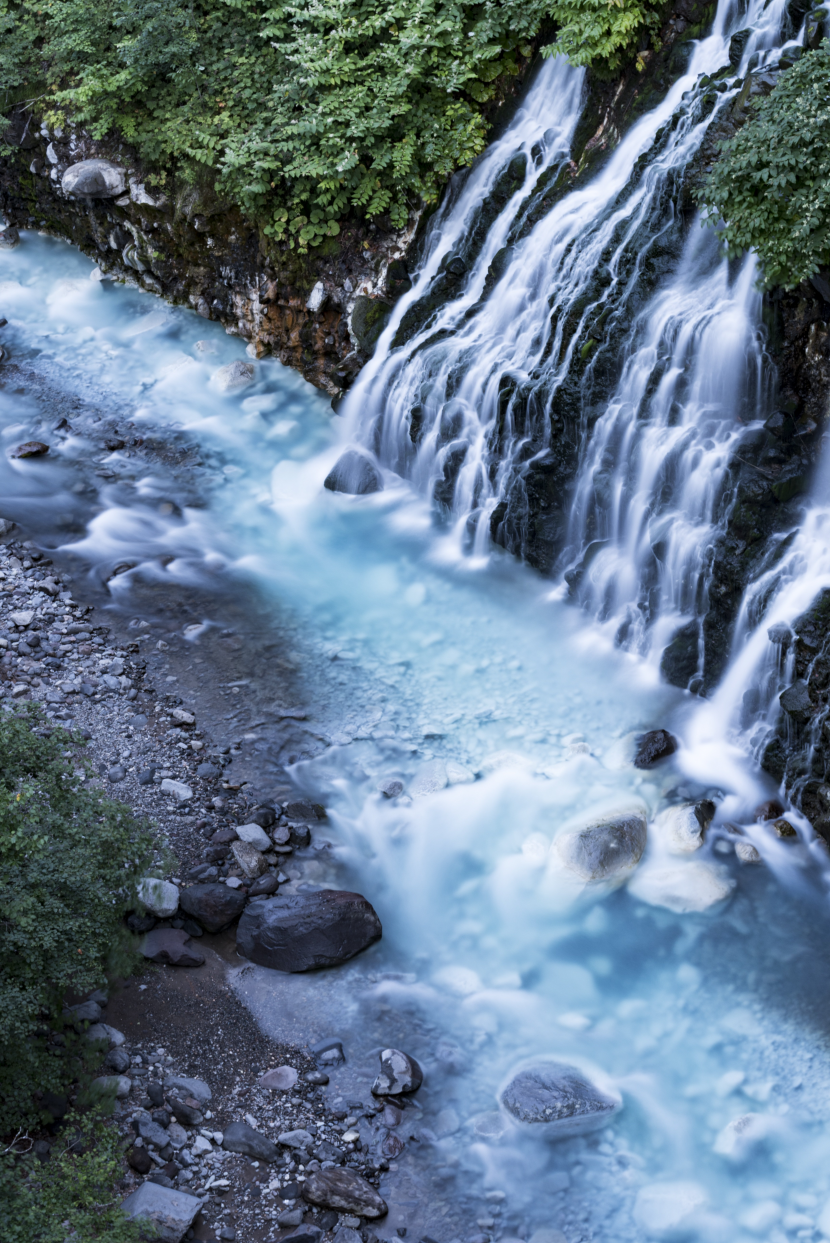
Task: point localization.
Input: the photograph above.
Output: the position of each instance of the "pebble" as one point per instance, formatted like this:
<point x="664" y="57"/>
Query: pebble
<point x="255" y="835"/>
<point x="280" y="1079"/>
<point x="182" y="792"/>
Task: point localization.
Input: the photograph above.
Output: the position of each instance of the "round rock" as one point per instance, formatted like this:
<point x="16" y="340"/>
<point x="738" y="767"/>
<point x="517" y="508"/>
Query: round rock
<point x="160" y="897"/>
<point x="213" y="906"/>
<point x="307" y="930"/>
<point x="355" y="474"/>
<point x="558" y="1100"/>
<point x="95" y="179"/>
<point x="653" y="747"/>
<point x="399" y="1074"/>
<point x="255" y="835"/>
<point x="685" y="888"/>
<point x="606" y="850"/>
<point x="280" y="1079"/>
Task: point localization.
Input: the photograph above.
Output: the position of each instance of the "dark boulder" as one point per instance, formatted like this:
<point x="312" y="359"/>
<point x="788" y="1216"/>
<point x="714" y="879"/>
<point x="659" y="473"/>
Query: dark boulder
<point x="796" y="702"/>
<point x="559" y="1100"/>
<point x="212" y="906"/>
<point x="369" y="318"/>
<point x="307" y="930"/>
<point x="680" y="659"/>
<point x="605" y="850"/>
<point x="355" y="474"/>
<point x="653" y="747"/>
<point x="171" y="946"/>
<point x="263" y="886"/>
<point x="344" y="1190"/>
<point x="239" y="1137"/>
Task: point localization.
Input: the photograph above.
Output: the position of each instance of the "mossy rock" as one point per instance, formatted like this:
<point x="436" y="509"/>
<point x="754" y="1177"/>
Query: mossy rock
<point x="369" y="318"/>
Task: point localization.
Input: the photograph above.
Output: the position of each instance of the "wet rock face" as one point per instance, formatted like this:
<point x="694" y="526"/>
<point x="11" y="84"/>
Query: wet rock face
<point x="355" y="474"/>
<point x="606" y="850"/>
<point x="304" y="931"/>
<point x="192" y="247"/>
<point x="653" y="747"/>
<point x="559" y="1100"/>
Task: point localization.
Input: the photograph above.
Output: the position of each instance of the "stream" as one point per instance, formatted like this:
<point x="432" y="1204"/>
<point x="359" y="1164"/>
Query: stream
<point x="506" y="704"/>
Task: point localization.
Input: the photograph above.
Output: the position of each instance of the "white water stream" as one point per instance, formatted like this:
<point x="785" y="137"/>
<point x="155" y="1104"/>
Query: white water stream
<point x="507" y="716"/>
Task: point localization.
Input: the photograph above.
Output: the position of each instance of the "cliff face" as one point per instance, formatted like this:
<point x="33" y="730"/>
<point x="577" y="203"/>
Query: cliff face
<point x="313" y="312"/>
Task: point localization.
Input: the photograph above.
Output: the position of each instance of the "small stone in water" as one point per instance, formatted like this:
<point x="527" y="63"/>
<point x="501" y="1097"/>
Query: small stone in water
<point x="783" y="828"/>
<point x="391" y="788"/>
<point x="747" y="853"/>
<point x="606" y="850"/>
<point x="399" y="1073"/>
<point x="31" y="448"/>
<point x="558" y="1100"/>
<point x="654" y="746"/>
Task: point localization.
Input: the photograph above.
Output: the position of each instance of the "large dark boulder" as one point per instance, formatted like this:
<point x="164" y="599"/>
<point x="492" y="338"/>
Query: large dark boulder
<point x="299" y="932"/>
<point x="558" y="1100"/>
<point x="212" y="906"/>
<point x="344" y="1190"/>
<point x="681" y="657"/>
<point x="355" y="474"/>
<point x="654" y="747"/>
<point x="796" y="702"/>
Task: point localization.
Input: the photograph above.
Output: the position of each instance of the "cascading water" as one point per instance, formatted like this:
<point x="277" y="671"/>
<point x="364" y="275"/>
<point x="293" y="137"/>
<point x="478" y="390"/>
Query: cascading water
<point x="524" y="358"/>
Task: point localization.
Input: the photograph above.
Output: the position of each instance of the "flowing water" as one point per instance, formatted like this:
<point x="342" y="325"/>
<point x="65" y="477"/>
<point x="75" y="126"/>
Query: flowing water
<point x="507" y="714"/>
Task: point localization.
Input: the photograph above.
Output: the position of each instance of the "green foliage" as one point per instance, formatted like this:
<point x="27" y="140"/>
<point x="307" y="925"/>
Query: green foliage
<point x="71" y="1196"/>
<point x="70" y="859"/>
<point x="771" y="184"/>
<point x="304" y="110"/>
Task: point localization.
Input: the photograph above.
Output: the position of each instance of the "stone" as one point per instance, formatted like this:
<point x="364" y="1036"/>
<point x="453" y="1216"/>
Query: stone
<point x="391" y="788"/>
<point x="796" y="702"/>
<point x="31" y="448"/>
<point x="201" y="1146"/>
<point x="140" y="1160"/>
<point x="329" y="1051"/>
<point x="239" y="1137"/>
<point x="740" y="1136"/>
<point x="255" y="835"/>
<point x="118" y="1060"/>
<point x="9" y="238"/>
<point x="653" y="747"/>
<point x="264" y="886"/>
<point x="429" y="779"/>
<point x="782" y="828"/>
<point x="160" y="897"/>
<point x="182" y="792"/>
<point x="264" y="817"/>
<point x="145" y="777"/>
<point x="668" y="1209"/>
<point x="296" y="1139"/>
<point x="83" y="1012"/>
<point x="770" y="810"/>
<point x="607" y="850"/>
<point x="399" y="1074"/>
<point x="306" y="1234"/>
<point x="151" y="1132"/>
<point x="214" y="906"/>
<point x="170" y="1212"/>
<point x="177" y="1136"/>
<point x="252" y="861"/>
<point x="316" y="298"/>
<point x="344" y="1190"/>
<point x="280" y="1079"/>
<point x="368" y="319"/>
<point x="557" y="1101"/>
<point x="685" y="888"/>
<point x="355" y="474"/>
<point x="119" y="1084"/>
<point x="187" y="1114"/>
<point x="103" y="1031"/>
<point x="24" y="619"/>
<point x="679" y="829"/>
<point x="171" y="946"/>
<point x="304" y="931"/>
<point x="95" y="179"/>
<point x="291" y="1217"/>
<point x="195" y="1088"/>
<point x="234" y="376"/>
<point x="207" y="770"/>
<point x="747" y="853"/>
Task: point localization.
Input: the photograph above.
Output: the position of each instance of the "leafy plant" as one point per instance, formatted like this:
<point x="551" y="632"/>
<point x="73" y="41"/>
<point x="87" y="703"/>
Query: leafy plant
<point x="70" y="860"/>
<point x="770" y="188"/>
<point x="303" y="110"/>
<point x="69" y="1197"/>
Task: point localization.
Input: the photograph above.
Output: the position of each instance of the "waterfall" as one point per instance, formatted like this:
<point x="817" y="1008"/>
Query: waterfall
<point x="595" y="331"/>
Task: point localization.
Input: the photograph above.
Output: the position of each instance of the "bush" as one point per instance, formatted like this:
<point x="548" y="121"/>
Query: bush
<point x="71" y="1196"/>
<point x="70" y="859"/>
<point x="770" y="188"/>
<point x="303" y="112"/>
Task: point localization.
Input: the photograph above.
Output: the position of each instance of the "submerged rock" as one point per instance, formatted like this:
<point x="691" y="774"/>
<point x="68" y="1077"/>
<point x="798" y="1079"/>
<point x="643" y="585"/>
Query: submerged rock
<point x="233" y="376"/>
<point x="605" y="850"/>
<point x="171" y="946"/>
<point x="664" y="1210"/>
<point x="95" y="179"/>
<point x="304" y="931"/>
<point x="747" y="853"/>
<point x="399" y="1074"/>
<point x="682" y="887"/>
<point x="558" y="1100"/>
<point x="344" y="1190"/>
<point x="654" y="746"/>
<point x="31" y="448"/>
<point x="681" y="828"/>
<point x="740" y="1136"/>
<point x="355" y="474"/>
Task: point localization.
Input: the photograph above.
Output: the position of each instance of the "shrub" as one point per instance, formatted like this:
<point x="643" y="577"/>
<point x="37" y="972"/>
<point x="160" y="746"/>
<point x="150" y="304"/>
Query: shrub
<point x="770" y="188"/>
<point x="304" y="112"/>
<point x="71" y="1196"/>
<point x="70" y="859"/>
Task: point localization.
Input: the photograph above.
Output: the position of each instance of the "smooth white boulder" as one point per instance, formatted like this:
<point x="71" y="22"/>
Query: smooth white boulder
<point x="683" y="887"/>
<point x="95" y="179"/>
<point x="678" y="829"/>
<point x="161" y="897"/>
<point x="234" y="376"/>
<point x="740" y="1136"/>
<point x="664" y="1210"/>
<point x="182" y="792"/>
